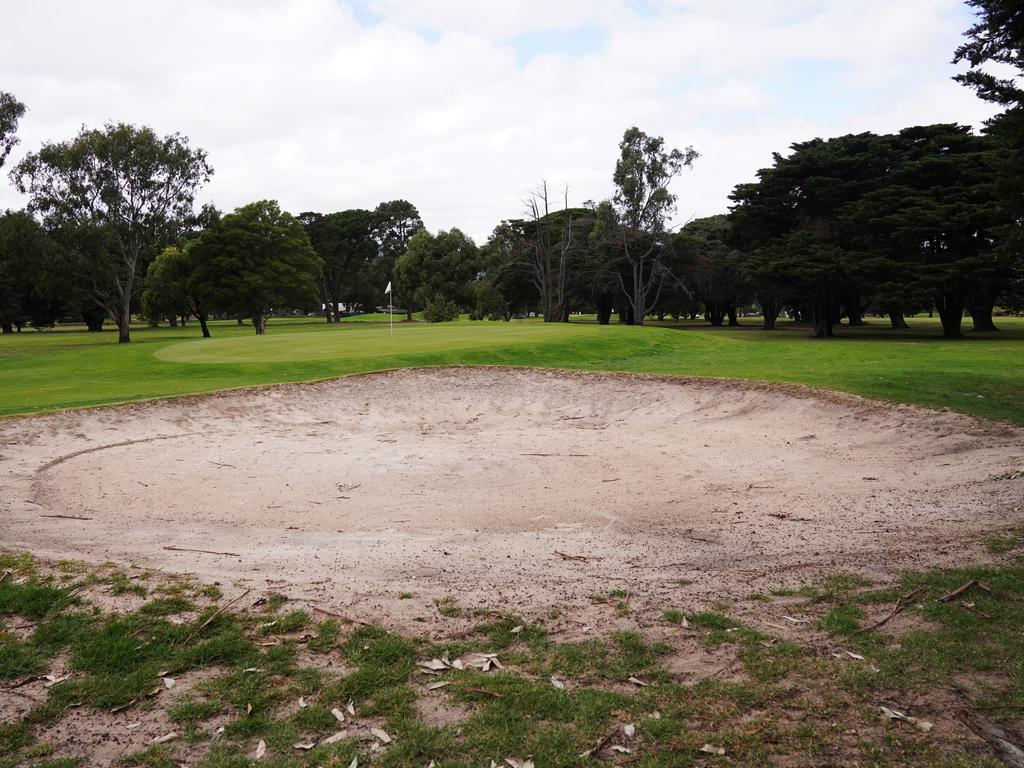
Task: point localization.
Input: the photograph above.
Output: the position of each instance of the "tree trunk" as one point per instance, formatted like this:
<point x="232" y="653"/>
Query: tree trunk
<point x="769" y="312"/>
<point x="201" y="316"/>
<point x="172" y="319"/>
<point x="824" y="321"/>
<point x="950" y="306"/>
<point x="259" y="322"/>
<point x="240" y="320"/>
<point x="328" y="306"/>
<point x="981" y="315"/>
<point x="733" y="322"/>
<point x="625" y="317"/>
<point x="93" y="320"/>
<point x="897" y="320"/>
<point x="604" y="309"/>
<point x="715" y="315"/>
<point x="124" y="327"/>
<point x="6" y="327"/>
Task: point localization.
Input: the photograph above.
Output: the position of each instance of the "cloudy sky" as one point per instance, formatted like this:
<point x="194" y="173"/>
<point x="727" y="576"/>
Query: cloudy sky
<point x="462" y="106"/>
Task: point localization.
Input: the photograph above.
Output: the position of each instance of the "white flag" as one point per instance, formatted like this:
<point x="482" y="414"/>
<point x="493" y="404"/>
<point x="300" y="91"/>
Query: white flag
<point x="388" y="289"/>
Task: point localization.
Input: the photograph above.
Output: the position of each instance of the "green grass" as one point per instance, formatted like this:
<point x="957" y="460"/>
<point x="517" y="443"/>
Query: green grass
<point x="981" y="375"/>
<point x="782" y="710"/>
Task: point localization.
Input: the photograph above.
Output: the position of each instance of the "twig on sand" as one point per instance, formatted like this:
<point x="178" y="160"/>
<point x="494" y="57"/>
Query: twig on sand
<point x="901" y="603"/>
<point x="219" y="611"/>
<point x="580" y="558"/>
<point x="602" y="743"/>
<point x="698" y="538"/>
<point x="963" y="588"/>
<point x="26" y="681"/>
<point x="484" y="691"/>
<point x="570" y="455"/>
<point x="68" y="517"/>
<point x="221" y="464"/>
<point x="342" y="616"/>
<point x="201" y="551"/>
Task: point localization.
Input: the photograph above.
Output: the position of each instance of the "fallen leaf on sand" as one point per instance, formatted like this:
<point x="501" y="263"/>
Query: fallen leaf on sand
<point x="302" y="702"/>
<point x="335" y="737"/>
<point x="557" y="683"/>
<point x="52" y="681"/>
<point x="169" y="682"/>
<point x="621" y="749"/>
<point x="382" y="735"/>
<point x="629" y="730"/>
<point x="132" y="726"/>
<point x="711" y="749"/>
<point x="248" y="709"/>
<point x="924" y="726"/>
<point x="516" y="630"/>
<point x="856" y="656"/>
<point x="338" y="715"/>
<point x="354" y="763"/>
<point x="434" y="664"/>
<point x="304" y="745"/>
<point x="165" y="738"/>
<point x="261" y="749"/>
<point x="435" y="686"/>
<point x="351" y="708"/>
<point x="636" y="681"/>
<point x="796" y="621"/>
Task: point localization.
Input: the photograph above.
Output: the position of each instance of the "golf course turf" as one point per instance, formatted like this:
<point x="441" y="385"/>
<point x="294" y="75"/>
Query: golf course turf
<point x="982" y="375"/>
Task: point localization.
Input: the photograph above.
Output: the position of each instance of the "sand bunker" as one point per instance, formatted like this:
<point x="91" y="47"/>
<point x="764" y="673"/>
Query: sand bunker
<point x="470" y="482"/>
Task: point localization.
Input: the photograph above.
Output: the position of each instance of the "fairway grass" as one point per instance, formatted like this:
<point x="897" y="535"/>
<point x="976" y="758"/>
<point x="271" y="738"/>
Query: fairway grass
<point x="981" y="375"/>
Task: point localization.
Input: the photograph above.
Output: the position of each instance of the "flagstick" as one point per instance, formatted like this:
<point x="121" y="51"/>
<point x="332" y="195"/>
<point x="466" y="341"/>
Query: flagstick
<point x="391" y="312"/>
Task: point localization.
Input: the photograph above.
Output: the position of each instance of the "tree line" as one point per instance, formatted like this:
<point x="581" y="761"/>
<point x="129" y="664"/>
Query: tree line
<point x="926" y="219"/>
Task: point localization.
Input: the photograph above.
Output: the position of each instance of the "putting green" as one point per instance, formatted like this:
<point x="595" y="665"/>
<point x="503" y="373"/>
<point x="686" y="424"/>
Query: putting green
<point x="366" y="342"/>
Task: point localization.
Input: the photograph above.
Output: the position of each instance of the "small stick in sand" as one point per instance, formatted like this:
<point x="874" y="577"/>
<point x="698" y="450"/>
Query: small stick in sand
<point x="68" y="517"/>
<point x="202" y="551"/>
<point x="901" y="604"/>
<point x="580" y="558"/>
<point x="963" y="588"/>
<point x="485" y="692"/>
<point x="221" y="610"/>
<point x="342" y="616"/>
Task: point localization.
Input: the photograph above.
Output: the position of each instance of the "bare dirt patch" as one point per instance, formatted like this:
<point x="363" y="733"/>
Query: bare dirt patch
<point x="469" y="482"/>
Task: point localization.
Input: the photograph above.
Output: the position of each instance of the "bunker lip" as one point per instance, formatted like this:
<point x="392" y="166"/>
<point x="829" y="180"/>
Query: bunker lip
<point x="510" y="488"/>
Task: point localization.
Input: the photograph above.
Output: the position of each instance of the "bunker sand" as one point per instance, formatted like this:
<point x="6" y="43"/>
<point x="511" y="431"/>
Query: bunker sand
<point x="511" y="490"/>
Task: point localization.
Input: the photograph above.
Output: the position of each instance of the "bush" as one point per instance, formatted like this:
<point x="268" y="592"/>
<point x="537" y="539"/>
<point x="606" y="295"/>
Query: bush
<point x="440" y="311"/>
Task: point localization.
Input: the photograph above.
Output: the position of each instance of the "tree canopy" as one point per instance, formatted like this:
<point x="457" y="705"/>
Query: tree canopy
<point x="129" y="189"/>
<point x="256" y="259"/>
<point x="11" y="112"/>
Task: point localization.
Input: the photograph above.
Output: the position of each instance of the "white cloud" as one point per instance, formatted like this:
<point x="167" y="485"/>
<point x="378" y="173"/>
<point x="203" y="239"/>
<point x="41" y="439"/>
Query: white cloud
<point x="297" y="100"/>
